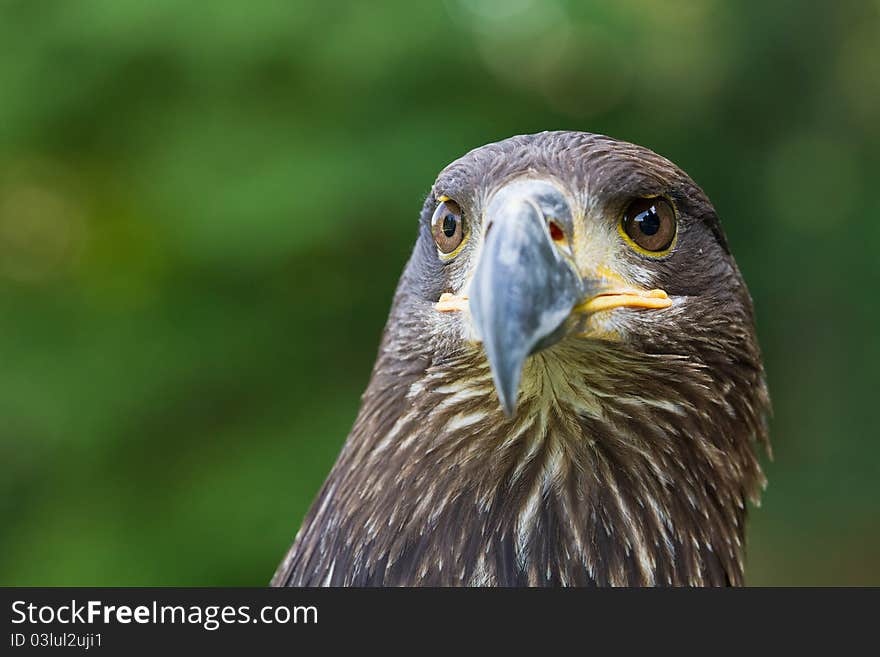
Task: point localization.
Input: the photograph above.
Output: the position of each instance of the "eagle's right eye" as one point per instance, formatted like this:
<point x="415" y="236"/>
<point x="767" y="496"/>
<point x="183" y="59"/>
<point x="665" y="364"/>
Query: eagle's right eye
<point x="447" y="227"/>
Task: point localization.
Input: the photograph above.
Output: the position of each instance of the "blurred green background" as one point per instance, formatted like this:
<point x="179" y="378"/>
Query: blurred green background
<point x="204" y="211"/>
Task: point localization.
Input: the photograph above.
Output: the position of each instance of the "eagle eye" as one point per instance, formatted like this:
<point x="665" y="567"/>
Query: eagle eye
<point x="447" y="227"/>
<point x="649" y="224"/>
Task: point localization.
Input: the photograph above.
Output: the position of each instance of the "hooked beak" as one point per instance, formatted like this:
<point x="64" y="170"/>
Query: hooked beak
<point x="523" y="288"/>
<point x="526" y="285"/>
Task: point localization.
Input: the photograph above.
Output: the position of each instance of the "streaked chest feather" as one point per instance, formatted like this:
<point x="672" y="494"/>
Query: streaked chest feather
<point x="613" y="478"/>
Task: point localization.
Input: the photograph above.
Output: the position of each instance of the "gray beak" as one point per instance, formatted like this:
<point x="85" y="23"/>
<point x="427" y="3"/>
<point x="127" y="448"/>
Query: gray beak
<point x="524" y="287"/>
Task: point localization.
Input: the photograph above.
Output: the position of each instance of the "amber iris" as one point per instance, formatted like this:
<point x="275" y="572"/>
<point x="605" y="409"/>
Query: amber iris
<point x="650" y="224"/>
<point x="447" y="227"/>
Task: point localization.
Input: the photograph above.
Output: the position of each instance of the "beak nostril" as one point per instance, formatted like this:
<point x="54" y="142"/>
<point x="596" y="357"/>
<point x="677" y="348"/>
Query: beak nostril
<point x="556" y="233"/>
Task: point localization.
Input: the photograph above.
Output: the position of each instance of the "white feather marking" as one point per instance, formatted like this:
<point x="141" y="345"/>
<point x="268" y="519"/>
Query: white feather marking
<point x="463" y="420"/>
<point x="329" y="577"/>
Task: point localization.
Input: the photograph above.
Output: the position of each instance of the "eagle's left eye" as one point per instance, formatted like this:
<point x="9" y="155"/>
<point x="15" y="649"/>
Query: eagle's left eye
<point x="650" y="225"/>
<point x="447" y="227"/>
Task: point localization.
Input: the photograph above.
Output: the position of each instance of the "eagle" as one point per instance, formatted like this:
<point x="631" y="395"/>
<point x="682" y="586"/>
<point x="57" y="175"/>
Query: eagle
<point x="569" y="389"/>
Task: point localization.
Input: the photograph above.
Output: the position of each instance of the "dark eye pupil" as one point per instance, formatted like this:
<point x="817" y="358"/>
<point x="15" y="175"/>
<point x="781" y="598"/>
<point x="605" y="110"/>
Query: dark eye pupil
<point x="449" y="225"/>
<point x="649" y="222"/>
